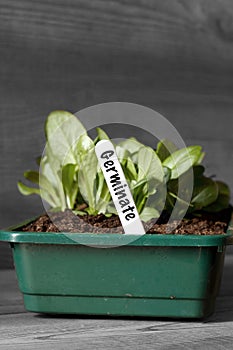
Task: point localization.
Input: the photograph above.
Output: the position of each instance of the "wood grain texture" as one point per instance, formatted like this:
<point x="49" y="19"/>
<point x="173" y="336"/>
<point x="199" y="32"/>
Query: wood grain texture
<point x="11" y="301"/>
<point x="22" y="330"/>
<point x="173" y="56"/>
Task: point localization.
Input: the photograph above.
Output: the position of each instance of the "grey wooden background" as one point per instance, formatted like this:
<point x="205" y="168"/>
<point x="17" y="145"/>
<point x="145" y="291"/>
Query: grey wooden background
<point x="173" y="56"/>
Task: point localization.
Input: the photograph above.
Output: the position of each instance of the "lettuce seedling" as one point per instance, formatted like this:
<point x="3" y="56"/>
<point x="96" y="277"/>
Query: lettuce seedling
<point x="70" y="177"/>
<point x="207" y="195"/>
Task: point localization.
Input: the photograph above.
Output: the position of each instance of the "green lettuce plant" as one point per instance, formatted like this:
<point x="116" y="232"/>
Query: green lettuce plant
<point x="207" y="194"/>
<point x="70" y="177"/>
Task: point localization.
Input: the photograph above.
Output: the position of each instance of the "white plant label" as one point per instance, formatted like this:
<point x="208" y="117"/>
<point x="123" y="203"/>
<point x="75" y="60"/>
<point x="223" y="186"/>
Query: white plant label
<point x="118" y="187"/>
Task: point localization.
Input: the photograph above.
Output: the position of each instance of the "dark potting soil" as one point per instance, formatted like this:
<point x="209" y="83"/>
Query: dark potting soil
<point x="205" y="224"/>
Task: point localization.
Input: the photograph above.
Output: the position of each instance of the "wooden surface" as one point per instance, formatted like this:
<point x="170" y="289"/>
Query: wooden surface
<point x="174" y="56"/>
<point x="21" y="330"/>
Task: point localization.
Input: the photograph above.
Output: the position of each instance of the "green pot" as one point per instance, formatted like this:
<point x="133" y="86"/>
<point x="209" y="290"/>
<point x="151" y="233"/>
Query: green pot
<point x="109" y="274"/>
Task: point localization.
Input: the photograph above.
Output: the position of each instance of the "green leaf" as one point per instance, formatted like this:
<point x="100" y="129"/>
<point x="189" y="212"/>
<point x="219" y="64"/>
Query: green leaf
<point x="44" y="184"/>
<point x="62" y="131"/>
<point x="144" y="173"/>
<point x="186" y="204"/>
<point x="165" y="148"/>
<point x="158" y="199"/>
<point x="79" y="212"/>
<point x="149" y="165"/>
<point x="167" y="174"/>
<point x="32" y="176"/>
<point x="101" y="135"/>
<point x="182" y="160"/>
<point x="149" y="213"/>
<point x="136" y="184"/>
<point x="112" y="209"/>
<point x="128" y="147"/>
<point x="26" y="190"/>
<point x="223" y="189"/>
<point x="87" y="162"/>
<point x="223" y="199"/>
<point x="198" y="171"/>
<point x="129" y="169"/>
<point x="179" y="190"/>
<point x="51" y="169"/>
<point x="46" y="188"/>
<point x="102" y="196"/>
<point x="70" y="183"/>
<point x="205" y="192"/>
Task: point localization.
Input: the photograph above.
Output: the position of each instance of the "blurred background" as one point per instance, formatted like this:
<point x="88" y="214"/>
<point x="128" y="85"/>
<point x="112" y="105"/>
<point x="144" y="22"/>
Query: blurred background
<point x="173" y="56"/>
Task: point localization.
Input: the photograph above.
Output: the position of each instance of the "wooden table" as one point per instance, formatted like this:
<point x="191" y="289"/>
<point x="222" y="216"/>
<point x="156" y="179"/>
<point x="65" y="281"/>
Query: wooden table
<point x="22" y="330"/>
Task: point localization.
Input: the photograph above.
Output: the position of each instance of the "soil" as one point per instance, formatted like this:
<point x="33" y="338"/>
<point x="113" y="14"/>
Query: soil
<point x="204" y="224"/>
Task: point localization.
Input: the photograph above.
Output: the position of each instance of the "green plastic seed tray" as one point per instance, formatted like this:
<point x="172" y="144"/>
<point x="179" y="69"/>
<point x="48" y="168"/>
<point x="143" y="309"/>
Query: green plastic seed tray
<point x="109" y="274"/>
